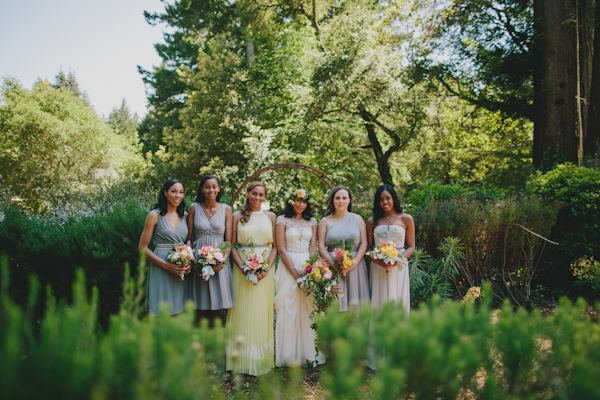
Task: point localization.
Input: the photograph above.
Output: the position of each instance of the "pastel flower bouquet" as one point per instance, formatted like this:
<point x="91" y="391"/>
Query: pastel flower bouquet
<point x="182" y="254"/>
<point x="209" y="257"/>
<point x="319" y="281"/>
<point x="342" y="255"/>
<point x="389" y="252"/>
<point x="254" y="264"/>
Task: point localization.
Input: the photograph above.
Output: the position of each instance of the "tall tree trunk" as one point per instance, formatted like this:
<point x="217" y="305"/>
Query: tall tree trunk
<point x="586" y="22"/>
<point x="555" y="123"/>
<point x="382" y="158"/>
<point x="592" y="140"/>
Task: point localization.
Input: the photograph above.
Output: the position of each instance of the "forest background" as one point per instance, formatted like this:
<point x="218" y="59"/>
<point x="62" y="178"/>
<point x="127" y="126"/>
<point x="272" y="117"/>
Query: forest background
<point x="440" y="98"/>
<point x="483" y="114"/>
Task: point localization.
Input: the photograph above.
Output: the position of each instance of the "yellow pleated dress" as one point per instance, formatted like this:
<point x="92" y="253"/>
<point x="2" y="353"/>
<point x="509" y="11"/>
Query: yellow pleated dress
<point x="251" y="348"/>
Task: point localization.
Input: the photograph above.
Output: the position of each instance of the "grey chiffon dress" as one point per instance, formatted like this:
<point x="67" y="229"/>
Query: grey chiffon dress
<point x="217" y="292"/>
<point x="164" y="286"/>
<point x="355" y="287"/>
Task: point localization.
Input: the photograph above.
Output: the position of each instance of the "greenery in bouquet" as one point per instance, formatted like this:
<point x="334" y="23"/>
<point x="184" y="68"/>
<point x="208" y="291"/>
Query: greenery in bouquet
<point x="320" y="282"/>
<point x="389" y="251"/>
<point x="209" y="257"/>
<point x="342" y="254"/>
<point x="182" y="254"/>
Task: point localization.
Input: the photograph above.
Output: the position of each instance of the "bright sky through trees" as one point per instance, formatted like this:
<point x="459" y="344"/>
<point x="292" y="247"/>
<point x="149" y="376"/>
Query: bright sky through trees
<point x="102" y="42"/>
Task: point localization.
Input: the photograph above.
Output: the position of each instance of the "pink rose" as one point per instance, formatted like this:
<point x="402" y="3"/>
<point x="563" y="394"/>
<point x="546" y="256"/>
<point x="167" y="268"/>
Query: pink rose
<point x="307" y="269"/>
<point x="208" y="247"/>
<point x="327" y="275"/>
<point x="219" y="257"/>
<point x="339" y="254"/>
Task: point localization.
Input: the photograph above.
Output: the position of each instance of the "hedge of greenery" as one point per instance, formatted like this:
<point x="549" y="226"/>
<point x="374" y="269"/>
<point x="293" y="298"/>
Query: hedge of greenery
<point x="450" y="350"/>
<point x="577" y="227"/>
<point x="100" y="231"/>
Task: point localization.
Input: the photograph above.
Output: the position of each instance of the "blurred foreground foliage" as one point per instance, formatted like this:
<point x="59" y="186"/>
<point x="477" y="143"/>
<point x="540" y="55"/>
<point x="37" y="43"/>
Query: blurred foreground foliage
<point x="443" y="350"/>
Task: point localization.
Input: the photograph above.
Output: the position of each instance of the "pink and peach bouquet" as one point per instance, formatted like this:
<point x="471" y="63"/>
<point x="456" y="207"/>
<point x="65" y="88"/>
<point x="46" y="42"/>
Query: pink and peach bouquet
<point x="209" y="257"/>
<point x="182" y="254"/>
<point x="343" y="256"/>
<point x="255" y="264"/>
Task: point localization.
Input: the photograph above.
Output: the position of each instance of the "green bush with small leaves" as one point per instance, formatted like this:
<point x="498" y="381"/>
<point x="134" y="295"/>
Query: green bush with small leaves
<point x="577" y="227"/>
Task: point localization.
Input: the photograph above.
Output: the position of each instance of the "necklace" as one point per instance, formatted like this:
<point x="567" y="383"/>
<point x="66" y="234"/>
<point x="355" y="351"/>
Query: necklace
<point x="210" y="214"/>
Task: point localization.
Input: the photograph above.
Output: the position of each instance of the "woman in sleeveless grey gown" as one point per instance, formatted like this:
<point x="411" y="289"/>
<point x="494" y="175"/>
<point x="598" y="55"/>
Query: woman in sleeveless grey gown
<point x="210" y="223"/>
<point x="341" y="224"/>
<point x="166" y="225"/>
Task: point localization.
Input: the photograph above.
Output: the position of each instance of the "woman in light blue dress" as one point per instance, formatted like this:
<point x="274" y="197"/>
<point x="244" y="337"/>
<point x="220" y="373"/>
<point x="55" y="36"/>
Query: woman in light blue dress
<point x="166" y="226"/>
<point x="340" y="224"/>
<point x="210" y="223"/>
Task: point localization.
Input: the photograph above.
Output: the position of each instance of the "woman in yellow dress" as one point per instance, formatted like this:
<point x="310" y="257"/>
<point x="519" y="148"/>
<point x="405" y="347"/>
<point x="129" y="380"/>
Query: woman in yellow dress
<point x="251" y="319"/>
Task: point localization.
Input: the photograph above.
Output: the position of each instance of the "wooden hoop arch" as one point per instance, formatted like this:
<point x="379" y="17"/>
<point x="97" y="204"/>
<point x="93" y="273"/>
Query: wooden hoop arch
<point x="307" y="168"/>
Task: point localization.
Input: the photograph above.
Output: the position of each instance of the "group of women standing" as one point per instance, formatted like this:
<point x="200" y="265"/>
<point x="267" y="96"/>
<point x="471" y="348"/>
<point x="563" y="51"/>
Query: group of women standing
<point x="293" y="236"/>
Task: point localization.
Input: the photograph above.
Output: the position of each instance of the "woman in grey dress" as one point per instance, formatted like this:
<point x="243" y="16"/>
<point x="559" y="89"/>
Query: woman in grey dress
<point x="210" y="224"/>
<point x="166" y="225"/>
<point x="341" y="224"/>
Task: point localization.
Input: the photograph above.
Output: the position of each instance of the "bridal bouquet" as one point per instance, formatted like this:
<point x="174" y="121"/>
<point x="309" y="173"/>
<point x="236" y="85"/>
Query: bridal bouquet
<point x="342" y="255"/>
<point x="389" y="252"/>
<point x="209" y="257"/>
<point x="255" y="264"/>
<point x="320" y="282"/>
<point x="182" y="254"/>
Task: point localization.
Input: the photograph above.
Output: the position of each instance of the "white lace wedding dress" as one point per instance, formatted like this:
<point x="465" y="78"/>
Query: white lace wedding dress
<point x="294" y="338"/>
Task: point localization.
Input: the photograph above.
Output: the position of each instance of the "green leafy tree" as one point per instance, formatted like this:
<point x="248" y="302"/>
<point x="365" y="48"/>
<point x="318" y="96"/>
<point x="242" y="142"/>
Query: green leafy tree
<point x="50" y="137"/>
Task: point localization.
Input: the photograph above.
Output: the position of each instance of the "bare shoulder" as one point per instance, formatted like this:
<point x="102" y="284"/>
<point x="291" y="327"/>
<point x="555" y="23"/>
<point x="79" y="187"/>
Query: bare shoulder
<point x="193" y="207"/>
<point x="325" y="221"/>
<point x="370" y="222"/>
<point x="271" y="215"/>
<point x="237" y="215"/>
<point x="152" y="217"/>
<point x="407" y="218"/>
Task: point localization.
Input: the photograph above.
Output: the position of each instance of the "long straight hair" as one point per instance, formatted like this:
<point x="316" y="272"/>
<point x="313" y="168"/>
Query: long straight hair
<point x="378" y="212"/>
<point x="330" y="206"/>
<point x="161" y="204"/>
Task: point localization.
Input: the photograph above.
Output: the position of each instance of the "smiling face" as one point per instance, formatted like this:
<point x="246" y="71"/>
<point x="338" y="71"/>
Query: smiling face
<point x="341" y="199"/>
<point x="299" y="205"/>
<point x="256" y="196"/>
<point x="386" y="201"/>
<point x="210" y="189"/>
<point x="174" y="194"/>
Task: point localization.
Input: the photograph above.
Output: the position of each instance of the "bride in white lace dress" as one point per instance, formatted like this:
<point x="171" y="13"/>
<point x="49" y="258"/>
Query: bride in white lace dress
<point x="296" y="237"/>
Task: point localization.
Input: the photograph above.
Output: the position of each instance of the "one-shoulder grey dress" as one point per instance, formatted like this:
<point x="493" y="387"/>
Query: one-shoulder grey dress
<point x="165" y="286"/>
<point x="355" y="287"/>
<point x="217" y="292"/>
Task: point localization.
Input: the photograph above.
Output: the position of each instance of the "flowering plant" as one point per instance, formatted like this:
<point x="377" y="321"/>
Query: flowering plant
<point x="291" y="194"/>
<point x="472" y="294"/>
<point x="209" y="257"/>
<point x="342" y="255"/>
<point x="389" y="252"/>
<point x="255" y="264"/>
<point x="182" y="254"/>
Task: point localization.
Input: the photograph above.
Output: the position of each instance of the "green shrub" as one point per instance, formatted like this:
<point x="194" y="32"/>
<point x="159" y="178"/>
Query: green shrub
<point x="451" y="351"/>
<point x="433" y="191"/>
<point x="53" y="247"/>
<point x="577" y="227"/>
<point x="497" y="245"/>
<point x="66" y="356"/>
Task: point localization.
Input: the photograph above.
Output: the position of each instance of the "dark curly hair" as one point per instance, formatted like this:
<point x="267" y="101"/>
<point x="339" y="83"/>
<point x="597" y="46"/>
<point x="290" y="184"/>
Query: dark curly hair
<point x="330" y="206"/>
<point x="378" y="212"/>
<point x="288" y="210"/>
<point x="161" y="204"/>
<point x="199" y="195"/>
